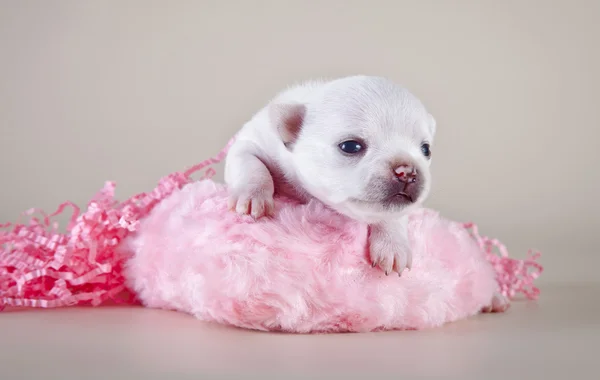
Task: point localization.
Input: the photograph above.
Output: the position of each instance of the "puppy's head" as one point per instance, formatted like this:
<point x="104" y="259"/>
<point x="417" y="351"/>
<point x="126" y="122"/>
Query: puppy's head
<point x="361" y="145"/>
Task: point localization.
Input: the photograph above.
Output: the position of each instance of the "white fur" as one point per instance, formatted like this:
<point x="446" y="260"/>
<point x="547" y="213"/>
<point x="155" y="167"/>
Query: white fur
<point x="393" y="123"/>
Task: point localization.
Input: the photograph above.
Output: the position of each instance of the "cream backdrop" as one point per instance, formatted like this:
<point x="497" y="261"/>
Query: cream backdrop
<point x="133" y="90"/>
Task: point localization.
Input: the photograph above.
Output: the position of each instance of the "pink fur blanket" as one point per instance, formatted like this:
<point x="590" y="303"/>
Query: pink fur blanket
<point x="305" y="270"/>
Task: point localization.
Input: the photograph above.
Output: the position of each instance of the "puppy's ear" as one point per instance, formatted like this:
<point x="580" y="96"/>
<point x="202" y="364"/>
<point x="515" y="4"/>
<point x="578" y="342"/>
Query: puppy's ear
<point x="288" y="119"/>
<point x="432" y="125"/>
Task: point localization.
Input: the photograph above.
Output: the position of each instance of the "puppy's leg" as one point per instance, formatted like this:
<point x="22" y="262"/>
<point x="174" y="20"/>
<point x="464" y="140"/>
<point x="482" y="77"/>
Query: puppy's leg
<point x="249" y="181"/>
<point x="389" y="246"/>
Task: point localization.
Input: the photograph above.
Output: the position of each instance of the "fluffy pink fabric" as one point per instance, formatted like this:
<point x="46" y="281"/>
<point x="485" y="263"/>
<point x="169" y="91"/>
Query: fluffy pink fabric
<point x="177" y="247"/>
<point x="306" y="270"/>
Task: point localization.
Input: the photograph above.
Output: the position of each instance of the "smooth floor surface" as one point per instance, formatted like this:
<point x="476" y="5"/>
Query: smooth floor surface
<point x="555" y="337"/>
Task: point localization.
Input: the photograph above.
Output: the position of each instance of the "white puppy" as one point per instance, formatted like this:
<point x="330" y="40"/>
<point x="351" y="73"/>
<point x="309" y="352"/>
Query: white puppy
<point x="360" y="145"/>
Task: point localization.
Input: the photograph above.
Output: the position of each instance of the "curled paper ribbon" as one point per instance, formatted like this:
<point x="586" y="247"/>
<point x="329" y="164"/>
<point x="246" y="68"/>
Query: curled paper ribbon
<point x="513" y="276"/>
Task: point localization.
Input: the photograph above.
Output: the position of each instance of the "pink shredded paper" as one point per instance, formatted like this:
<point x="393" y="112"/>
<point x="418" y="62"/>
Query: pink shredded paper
<point x="41" y="267"/>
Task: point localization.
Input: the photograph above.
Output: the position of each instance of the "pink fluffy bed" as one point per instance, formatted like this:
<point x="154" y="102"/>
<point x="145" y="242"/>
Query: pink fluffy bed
<point x="304" y="270"/>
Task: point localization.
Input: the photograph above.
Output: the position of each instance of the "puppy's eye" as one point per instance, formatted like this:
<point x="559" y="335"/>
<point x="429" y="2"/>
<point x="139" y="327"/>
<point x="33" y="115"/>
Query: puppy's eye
<point x="425" y="149"/>
<point x="351" y="147"/>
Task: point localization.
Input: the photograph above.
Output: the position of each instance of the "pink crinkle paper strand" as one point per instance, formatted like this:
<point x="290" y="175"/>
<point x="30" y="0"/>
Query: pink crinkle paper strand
<point x="41" y="267"/>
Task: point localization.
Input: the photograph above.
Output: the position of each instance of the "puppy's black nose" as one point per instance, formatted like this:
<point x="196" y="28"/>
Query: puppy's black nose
<point x="406" y="173"/>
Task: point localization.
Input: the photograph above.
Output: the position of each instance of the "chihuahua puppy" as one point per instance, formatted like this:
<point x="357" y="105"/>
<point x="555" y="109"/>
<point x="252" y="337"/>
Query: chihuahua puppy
<point x="359" y="144"/>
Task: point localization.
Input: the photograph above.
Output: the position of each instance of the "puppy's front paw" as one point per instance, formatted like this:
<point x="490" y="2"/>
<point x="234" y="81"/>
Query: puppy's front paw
<point x="252" y="201"/>
<point x="388" y="252"/>
<point x="499" y="304"/>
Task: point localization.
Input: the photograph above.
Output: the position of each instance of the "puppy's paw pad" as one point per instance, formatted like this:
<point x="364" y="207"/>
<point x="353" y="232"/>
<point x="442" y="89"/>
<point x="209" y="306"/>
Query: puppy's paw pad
<point x="499" y="304"/>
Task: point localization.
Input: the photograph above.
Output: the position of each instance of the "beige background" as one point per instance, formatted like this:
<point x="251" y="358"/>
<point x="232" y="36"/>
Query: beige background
<point x="133" y="90"/>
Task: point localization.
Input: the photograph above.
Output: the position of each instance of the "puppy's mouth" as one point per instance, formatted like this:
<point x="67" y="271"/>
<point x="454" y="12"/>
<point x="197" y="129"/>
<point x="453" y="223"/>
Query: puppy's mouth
<point x="400" y="197"/>
<point x="397" y="199"/>
<point x="384" y="196"/>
